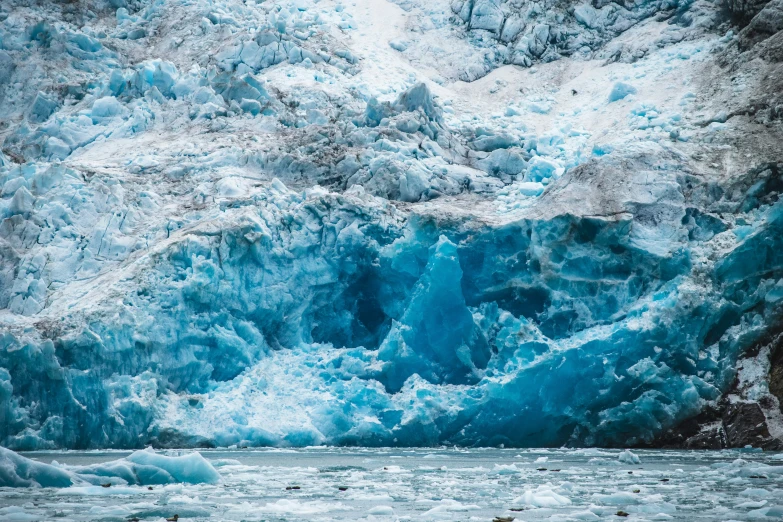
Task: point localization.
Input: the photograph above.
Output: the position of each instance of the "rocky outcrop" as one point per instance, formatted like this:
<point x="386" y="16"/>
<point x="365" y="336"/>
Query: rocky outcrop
<point x="749" y="415"/>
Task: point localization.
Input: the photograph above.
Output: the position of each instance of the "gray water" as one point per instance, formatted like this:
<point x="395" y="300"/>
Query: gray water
<point x="430" y="484"/>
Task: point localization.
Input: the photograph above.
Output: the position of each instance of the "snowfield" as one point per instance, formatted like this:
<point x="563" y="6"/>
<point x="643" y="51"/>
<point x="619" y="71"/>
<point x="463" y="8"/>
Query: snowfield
<point x="383" y="223"/>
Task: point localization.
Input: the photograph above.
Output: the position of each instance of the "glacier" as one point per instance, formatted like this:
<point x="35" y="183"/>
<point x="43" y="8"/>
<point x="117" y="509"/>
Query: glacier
<point x="407" y="223"/>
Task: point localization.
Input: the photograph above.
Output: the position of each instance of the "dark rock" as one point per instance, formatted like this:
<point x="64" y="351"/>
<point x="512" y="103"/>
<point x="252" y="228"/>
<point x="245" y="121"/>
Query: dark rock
<point x="741" y="12"/>
<point x="745" y="424"/>
<point x="710" y="437"/>
<point x="776" y="372"/>
<point x="768" y="22"/>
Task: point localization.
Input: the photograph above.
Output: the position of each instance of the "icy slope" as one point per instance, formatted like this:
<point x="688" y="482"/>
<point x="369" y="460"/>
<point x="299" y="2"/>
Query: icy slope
<point x="294" y="223"/>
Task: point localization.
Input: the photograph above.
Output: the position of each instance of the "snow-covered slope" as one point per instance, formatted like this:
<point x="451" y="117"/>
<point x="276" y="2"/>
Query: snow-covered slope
<point x="373" y="222"/>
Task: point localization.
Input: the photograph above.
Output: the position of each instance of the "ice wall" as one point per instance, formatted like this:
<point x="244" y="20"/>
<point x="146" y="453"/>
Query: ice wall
<point x="229" y="223"/>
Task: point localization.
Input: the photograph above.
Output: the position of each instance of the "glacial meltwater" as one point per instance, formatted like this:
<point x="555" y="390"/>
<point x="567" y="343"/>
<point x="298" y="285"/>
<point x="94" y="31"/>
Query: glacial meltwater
<point x="450" y="484"/>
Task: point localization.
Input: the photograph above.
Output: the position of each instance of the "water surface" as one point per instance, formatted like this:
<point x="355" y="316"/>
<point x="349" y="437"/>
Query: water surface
<point x="430" y="484"/>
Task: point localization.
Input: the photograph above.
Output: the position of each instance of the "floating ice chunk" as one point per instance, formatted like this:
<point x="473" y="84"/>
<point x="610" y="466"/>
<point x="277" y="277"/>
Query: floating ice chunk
<point x="618" y="498"/>
<point x="100" y="491"/>
<point x="448" y="505"/>
<point x="381" y="510"/>
<point x="17" y="514"/>
<point x="191" y="468"/>
<point x="767" y="512"/>
<point x="756" y="492"/>
<point x="543" y="496"/>
<point x="626" y="457"/>
<point x="620" y="90"/>
<point x="296" y="507"/>
<point x="160" y="512"/>
<point x="219" y="463"/>
<point x="506" y="469"/>
<point x="751" y="504"/>
<point x="17" y="471"/>
<point x="139" y="468"/>
<point x="393" y="469"/>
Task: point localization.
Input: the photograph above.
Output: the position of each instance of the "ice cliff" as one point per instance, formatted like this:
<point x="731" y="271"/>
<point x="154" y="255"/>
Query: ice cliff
<point x="416" y="222"/>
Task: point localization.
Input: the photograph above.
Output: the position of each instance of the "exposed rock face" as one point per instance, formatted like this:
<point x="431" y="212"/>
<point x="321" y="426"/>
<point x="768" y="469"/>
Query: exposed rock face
<point x="749" y="414"/>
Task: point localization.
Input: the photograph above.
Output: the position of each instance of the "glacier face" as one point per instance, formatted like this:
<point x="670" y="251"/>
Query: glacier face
<point x="308" y="222"/>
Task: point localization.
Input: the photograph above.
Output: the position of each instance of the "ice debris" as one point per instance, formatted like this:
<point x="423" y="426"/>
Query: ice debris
<point x="621" y="90"/>
<point x="627" y="457"/>
<point x="543" y="496"/>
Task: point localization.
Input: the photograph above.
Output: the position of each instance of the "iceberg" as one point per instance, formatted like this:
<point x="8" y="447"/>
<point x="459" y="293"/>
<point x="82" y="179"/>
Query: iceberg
<point x="18" y="472"/>
<point x="140" y="468"/>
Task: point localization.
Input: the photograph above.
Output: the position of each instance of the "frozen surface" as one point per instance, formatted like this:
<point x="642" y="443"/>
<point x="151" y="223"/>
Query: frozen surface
<point x="379" y="223"/>
<point x="435" y="484"/>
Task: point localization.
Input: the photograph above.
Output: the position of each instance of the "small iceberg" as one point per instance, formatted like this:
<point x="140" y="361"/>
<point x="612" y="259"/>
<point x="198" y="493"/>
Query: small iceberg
<point x="140" y="468"/>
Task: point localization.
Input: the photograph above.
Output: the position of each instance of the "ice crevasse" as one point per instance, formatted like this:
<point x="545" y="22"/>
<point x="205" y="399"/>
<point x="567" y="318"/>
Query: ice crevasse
<point x="259" y="238"/>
